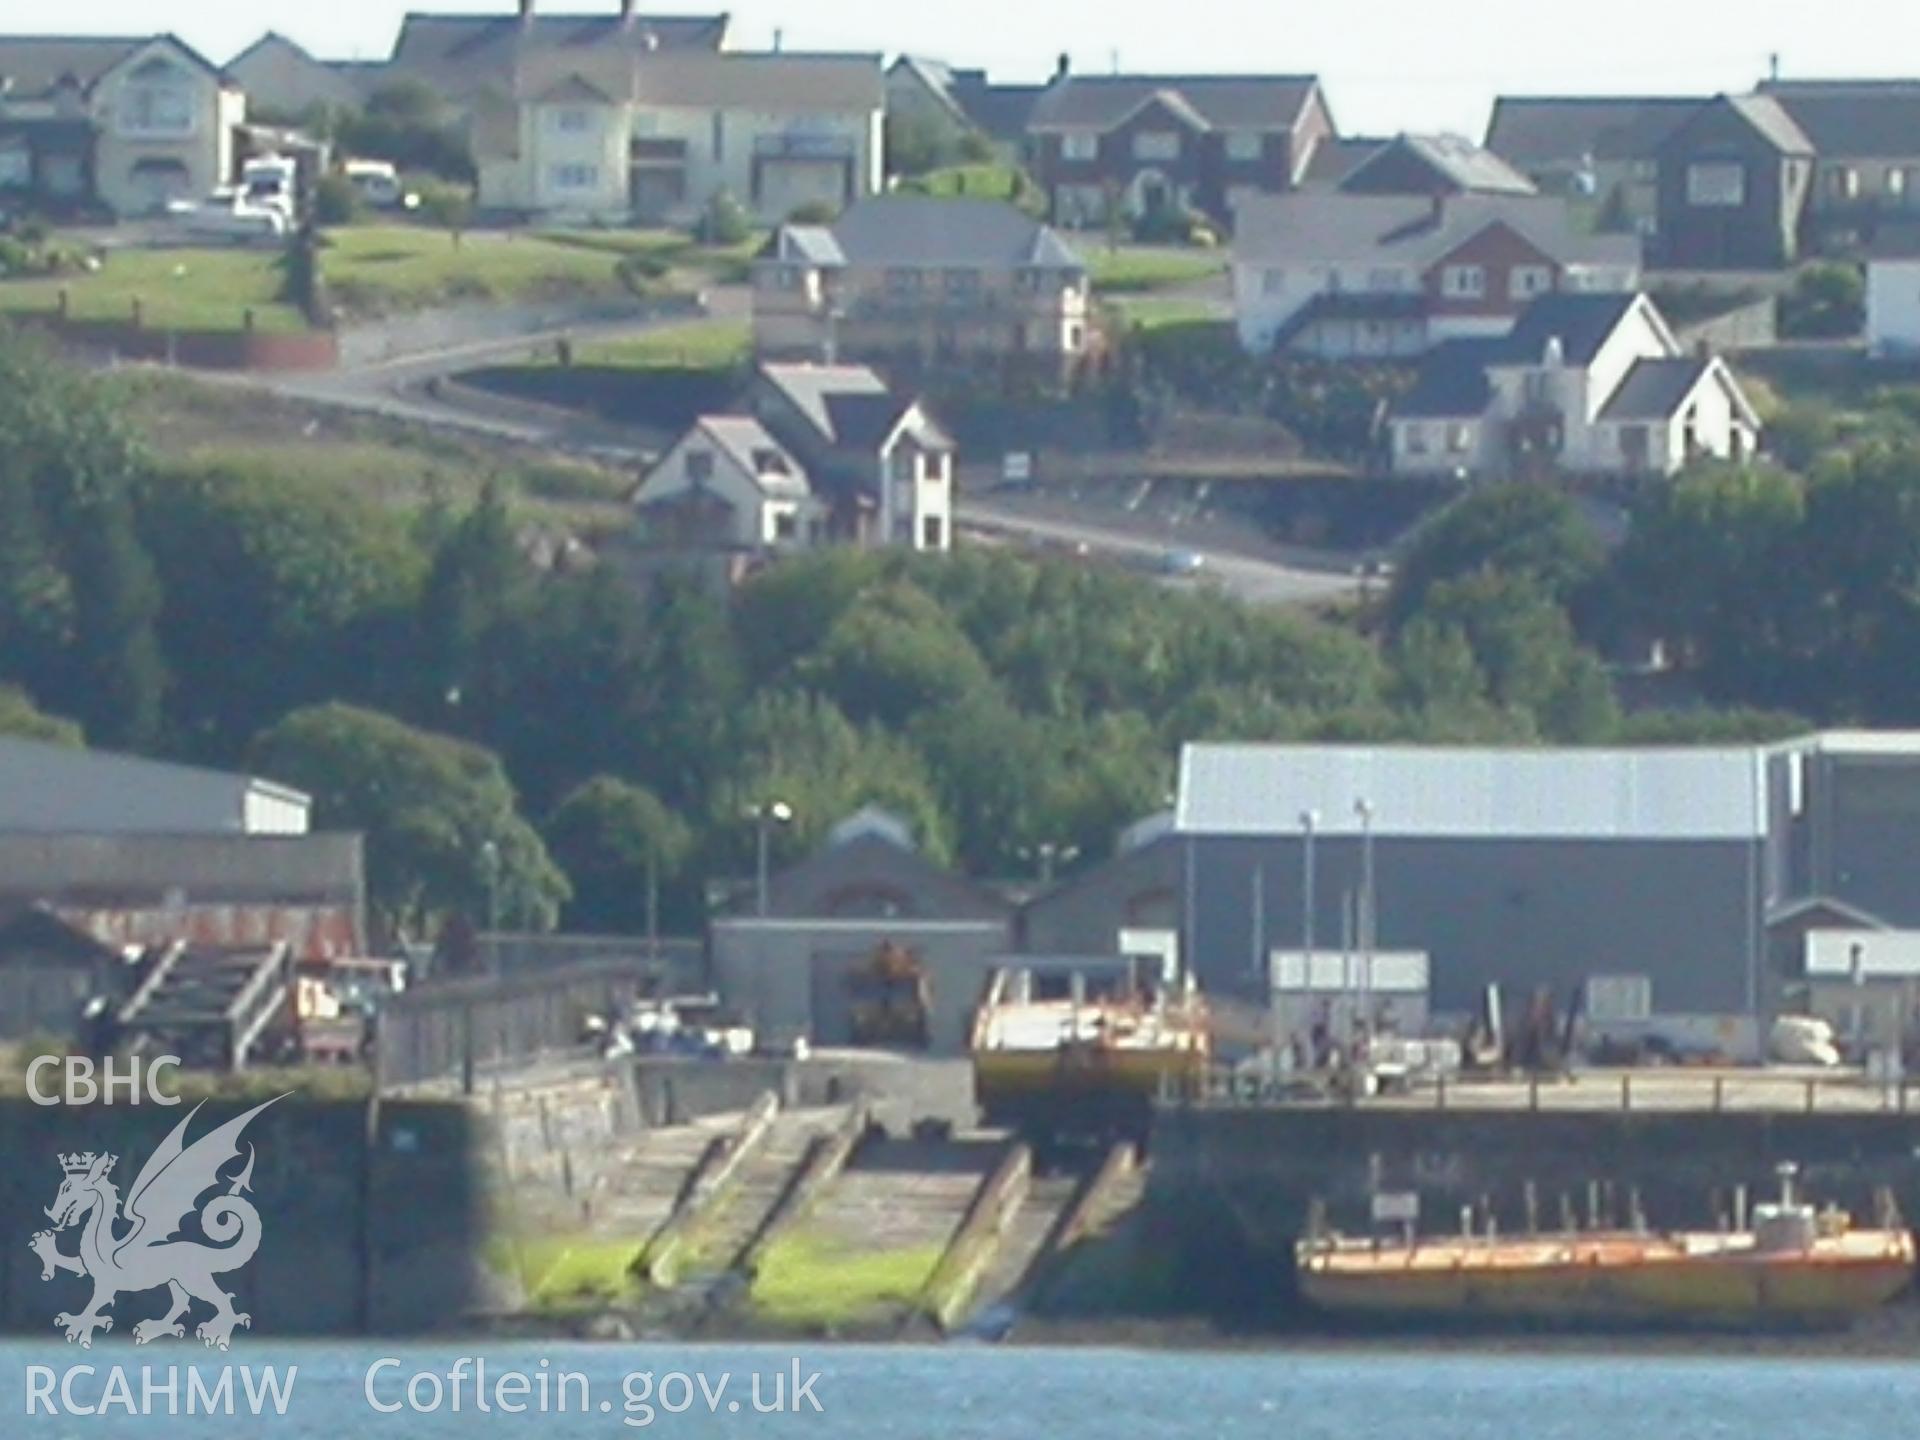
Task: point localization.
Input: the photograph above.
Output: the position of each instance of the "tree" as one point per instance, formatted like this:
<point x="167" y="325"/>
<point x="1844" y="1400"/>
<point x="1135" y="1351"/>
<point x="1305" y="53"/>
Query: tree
<point x="478" y="590"/>
<point x="725" y="221"/>
<point x="444" y="835"/>
<point x="1827" y="301"/>
<point x="277" y="594"/>
<point x="21" y="718"/>
<point x="1531" y="532"/>
<point x="618" y="844"/>
<point x="892" y="655"/>
<point x="335" y="200"/>
<point x="915" y="144"/>
<point x="85" y="601"/>
<point x="450" y="207"/>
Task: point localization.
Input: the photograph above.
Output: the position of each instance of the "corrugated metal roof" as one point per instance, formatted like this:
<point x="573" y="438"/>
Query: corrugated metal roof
<point x="1694" y="794"/>
<point x="47" y="787"/>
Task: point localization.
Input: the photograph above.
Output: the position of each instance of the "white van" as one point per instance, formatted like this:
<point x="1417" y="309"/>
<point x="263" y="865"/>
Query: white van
<point x="376" y="182"/>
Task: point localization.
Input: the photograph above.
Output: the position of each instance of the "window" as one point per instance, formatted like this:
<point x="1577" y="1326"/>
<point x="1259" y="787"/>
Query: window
<point x="1072" y="346"/>
<point x="1463" y="282"/>
<point x="1896" y="181"/>
<point x="1843" y="182"/>
<point x="156" y="109"/>
<point x="931" y="531"/>
<point x="1459" y="438"/>
<point x="1245" y="145"/>
<point x="16" y="166"/>
<point x="963" y="282"/>
<point x="903" y="282"/>
<point x="1526" y="281"/>
<point x="1416" y="439"/>
<point x="699" y="466"/>
<point x="786" y="525"/>
<point x="575" y="177"/>
<point x="1079" y="146"/>
<point x="1156" y="145"/>
<point x="572" y="121"/>
<point x="903" y="463"/>
<point x="936" y="467"/>
<point x="1717" y="183"/>
<point x="1635" y="446"/>
<point x="1274" y="282"/>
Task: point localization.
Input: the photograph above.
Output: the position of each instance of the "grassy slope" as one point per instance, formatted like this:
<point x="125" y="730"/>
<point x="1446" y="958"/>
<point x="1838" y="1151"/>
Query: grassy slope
<point x="807" y="1283"/>
<point x="699" y="345"/>
<point x="1134" y="269"/>
<point x="390" y="461"/>
<point x="188" y="289"/>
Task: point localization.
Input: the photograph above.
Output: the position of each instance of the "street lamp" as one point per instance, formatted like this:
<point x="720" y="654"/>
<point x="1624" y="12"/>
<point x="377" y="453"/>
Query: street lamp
<point x="1369" y="912"/>
<point x="1048" y="853"/>
<point x="490" y="877"/>
<point x="765" y="816"/>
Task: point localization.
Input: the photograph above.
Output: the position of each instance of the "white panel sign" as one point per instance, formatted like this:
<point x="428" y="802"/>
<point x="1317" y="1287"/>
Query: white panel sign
<point x="1619" y="999"/>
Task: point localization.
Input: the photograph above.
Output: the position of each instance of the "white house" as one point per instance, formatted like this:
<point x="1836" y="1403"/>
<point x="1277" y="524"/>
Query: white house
<point x="727" y="484"/>
<point x="1583" y="384"/>
<point x="1893" y="293"/>
<point x="655" y="136"/>
<point x="125" y="123"/>
<point x="1334" y="274"/>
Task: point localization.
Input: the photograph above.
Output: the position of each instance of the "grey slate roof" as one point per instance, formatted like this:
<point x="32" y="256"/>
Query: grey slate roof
<point x="809" y="387"/>
<point x="1655" y="389"/>
<point x="922" y="231"/>
<point x="1324" y="225"/>
<point x="1538" y="132"/>
<point x="1766" y="115"/>
<point x="1337" y="157"/>
<point x="1464" y="164"/>
<point x="1871" y="119"/>
<point x="998" y="111"/>
<point x="785" y="80"/>
<point x="51" y="788"/>
<point x="1226" y="102"/>
<point x="1581" y="323"/>
<point x="34" y="65"/>
<point x="750" y="446"/>
<point x="467" y="43"/>
<point x="1452" y="383"/>
<point x="1707" y="793"/>
<point x="1895" y="240"/>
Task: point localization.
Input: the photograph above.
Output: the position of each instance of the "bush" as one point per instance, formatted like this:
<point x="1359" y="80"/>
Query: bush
<point x="1172" y="225"/>
<point x="642" y="271"/>
<point x="335" y="201"/>
<point x="725" y="221"/>
<point x="448" y="206"/>
<point x="1827" y="302"/>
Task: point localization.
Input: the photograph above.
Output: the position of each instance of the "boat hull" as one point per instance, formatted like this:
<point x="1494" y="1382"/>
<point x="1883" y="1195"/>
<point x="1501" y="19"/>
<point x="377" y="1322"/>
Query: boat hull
<point x="1628" y="1280"/>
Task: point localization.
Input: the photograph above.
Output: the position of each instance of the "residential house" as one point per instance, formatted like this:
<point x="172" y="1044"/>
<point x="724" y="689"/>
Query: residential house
<point x="1584" y="385"/>
<point x="1433" y="165"/>
<point x="882" y="462"/>
<point x="120" y="124"/>
<point x="610" y="134"/>
<point x="956" y="103"/>
<point x="918" y="283"/>
<point x="464" y="56"/>
<point x="282" y="78"/>
<point x="1866" y="134"/>
<point x="728" y="486"/>
<point x="1893" y="292"/>
<point x="1383" y="276"/>
<point x="1148" y="142"/>
<point x="1734" y="180"/>
<point x="1603" y="148"/>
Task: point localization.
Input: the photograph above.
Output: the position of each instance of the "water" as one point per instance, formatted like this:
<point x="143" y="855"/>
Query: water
<point x="982" y="1393"/>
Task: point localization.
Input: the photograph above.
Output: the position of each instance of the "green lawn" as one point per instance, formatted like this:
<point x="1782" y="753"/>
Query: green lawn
<point x="374" y="268"/>
<point x="185" y="289"/>
<point x="1160" y="312"/>
<point x="988" y="181"/>
<point x="805" y="1281"/>
<point x="699" y="345"/>
<point x="1134" y="269"/>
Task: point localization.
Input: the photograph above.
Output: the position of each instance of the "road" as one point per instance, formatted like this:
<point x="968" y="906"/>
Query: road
<point x="409" y="388"/>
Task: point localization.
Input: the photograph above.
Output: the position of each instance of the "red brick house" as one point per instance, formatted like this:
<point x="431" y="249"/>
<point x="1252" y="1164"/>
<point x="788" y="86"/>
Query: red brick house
<point x="1139" y="142"/>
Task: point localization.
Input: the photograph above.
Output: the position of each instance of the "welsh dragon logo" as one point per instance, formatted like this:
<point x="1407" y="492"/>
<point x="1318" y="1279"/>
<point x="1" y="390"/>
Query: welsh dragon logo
<point x="138" y="1246"/>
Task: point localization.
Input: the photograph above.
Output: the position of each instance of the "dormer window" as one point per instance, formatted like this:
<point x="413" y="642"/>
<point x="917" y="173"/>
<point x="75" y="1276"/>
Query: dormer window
<point x="572" y="121"/>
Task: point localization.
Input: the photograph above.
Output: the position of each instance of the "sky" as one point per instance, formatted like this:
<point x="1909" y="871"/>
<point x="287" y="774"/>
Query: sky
<point x="1388" y="65"/>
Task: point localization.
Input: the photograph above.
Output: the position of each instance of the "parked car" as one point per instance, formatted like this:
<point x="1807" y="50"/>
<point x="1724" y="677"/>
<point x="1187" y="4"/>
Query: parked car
<point x="1182" y="562"/>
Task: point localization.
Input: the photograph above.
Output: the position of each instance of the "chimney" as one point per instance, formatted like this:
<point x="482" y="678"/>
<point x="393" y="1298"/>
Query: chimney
<point x="526" y="12"/>
<point x="626" y="12"/>
<point x="1063" y="67"/>
<point x="779" y="40"/>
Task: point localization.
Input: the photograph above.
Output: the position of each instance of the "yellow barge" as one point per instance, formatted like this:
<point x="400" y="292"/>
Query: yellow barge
<point x="1795" y="1265"/>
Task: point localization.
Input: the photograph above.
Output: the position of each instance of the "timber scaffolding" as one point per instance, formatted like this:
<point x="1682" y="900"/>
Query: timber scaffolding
<point x="210" y="1005"/>
<point x="1674" y="1090"/>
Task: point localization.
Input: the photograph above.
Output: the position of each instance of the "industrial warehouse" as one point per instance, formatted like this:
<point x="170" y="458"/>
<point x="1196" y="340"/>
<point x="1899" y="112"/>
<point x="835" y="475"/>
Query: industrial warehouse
<point x="1688" y="878"/>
